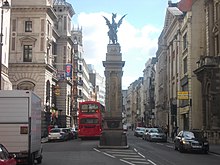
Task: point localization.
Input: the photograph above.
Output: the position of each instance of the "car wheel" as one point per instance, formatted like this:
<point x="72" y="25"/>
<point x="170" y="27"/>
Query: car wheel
<point x="175" y="147"/>
<point x="39" y="160"/>
<point x="181" y="149"/>
<point x="31" y="160"/>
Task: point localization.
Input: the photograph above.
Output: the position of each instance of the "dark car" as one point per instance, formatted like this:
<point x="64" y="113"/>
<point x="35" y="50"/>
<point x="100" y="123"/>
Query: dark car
<point x="191" y="141"/>
<point x="5" y="157"/>
<point x="156" y="134"/>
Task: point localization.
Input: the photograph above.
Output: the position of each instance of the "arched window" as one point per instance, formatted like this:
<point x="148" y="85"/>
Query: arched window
<point x="26" y="85"/>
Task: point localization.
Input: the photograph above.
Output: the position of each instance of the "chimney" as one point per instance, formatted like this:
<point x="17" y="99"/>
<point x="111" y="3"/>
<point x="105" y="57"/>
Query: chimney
<point x="169" y="3"/>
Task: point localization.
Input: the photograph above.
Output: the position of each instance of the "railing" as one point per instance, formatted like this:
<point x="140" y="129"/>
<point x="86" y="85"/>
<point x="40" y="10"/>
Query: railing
<point x="208" y="61"/>
<point x="213" y="136"/>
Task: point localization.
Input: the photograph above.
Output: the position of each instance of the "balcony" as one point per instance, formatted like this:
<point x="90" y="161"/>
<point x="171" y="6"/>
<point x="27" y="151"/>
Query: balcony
<point x="207" y="63"/>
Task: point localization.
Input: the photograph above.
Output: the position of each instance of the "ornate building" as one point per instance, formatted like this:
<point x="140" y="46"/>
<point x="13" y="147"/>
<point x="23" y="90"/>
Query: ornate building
<point x="208" y="71"/>
<point x="5" y="83"/>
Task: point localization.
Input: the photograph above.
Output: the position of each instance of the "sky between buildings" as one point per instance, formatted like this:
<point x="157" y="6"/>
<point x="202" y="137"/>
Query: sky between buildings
<point x="137" y="35"/>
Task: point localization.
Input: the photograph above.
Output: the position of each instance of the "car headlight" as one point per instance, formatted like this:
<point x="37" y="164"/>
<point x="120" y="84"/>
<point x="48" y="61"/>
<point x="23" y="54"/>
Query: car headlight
<point x="185" y="142"/>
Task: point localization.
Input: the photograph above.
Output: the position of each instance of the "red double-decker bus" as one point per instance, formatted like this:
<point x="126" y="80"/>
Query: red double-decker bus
<point x="90" y="123"/>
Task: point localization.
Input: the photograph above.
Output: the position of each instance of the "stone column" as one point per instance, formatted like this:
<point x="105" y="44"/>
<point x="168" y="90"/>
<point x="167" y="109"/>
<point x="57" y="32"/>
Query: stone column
<point x="113" y="135"/>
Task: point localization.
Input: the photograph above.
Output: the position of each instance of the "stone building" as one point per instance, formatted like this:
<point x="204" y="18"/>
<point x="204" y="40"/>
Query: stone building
<point x="64" y="59"/>
<point x="31" y="64"/>
<point x="129" y="106"/>
<point x="148" y="93"/>
<point x="98" y="84"/>
<point x="5" y="83"/>
<point x="176" y="59"/>
<point x="162" y="107"/>
<point x="172" y="24"/>
<point x="134" y="103"/>
<point x="208" y="70"/>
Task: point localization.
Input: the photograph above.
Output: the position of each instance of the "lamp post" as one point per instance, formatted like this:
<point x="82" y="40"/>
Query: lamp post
<point x="5" y="5"/>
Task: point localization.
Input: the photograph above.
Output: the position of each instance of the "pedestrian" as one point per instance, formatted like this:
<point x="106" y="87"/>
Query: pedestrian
<point x="175" y="131"/>
<point x="132" y="127"/>
<point x="166" y="130"/>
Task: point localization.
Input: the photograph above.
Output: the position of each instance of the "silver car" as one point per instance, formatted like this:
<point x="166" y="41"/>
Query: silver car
<point x="139" y="131"/>
<point x="56" y="134"/>
<point x="156" y="134"/>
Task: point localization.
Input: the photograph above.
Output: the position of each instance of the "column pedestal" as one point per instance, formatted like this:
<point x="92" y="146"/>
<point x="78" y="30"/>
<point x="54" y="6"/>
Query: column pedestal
<point x="113" y="135"/>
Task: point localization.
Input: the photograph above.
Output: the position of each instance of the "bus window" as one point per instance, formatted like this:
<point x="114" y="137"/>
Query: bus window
<point x="89" y="121"/>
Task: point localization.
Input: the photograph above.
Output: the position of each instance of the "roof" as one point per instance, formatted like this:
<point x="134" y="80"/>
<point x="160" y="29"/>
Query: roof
<point x="174" y="11"/>
<point x="66" y="4"/>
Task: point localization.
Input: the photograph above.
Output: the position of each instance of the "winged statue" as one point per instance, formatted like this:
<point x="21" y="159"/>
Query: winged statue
<point x="113" y="28"/>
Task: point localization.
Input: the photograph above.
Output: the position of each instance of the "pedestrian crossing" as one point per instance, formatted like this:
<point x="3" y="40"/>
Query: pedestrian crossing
<point x="128" y="156"/>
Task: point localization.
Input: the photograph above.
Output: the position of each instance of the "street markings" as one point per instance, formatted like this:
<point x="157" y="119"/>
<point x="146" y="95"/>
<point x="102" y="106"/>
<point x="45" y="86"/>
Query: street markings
<point x="128" y="156"/>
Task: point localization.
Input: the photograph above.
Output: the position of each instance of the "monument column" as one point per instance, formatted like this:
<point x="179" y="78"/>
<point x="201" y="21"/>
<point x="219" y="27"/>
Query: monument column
<point x="113" y="135"/>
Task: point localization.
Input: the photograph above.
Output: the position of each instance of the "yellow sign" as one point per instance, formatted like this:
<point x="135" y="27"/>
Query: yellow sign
<point x="183" y="95"/>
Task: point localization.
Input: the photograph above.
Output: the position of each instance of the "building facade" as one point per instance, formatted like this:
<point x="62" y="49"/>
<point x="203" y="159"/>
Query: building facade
<point x="208" y="71"/>
<point x="148" y="93"/>
<point x="46" y="56"/>
<point x="5" y="34"/>
<point x="31" y="61"/>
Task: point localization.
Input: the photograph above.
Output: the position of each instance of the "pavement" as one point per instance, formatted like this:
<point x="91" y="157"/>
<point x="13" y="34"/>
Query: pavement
<point x="213" y="148"/>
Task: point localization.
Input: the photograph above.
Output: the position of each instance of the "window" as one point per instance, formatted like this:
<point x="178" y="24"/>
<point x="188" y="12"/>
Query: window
<point x="27" y="53"/>
<point x="217" y="44"/>
<point x="185" y="41"/>
<point x="28" y="26"/>
<point x="185" y="65"/>
<point x="26" y="85"/>
<point x="89" y="121"/>
<point x="80" y="68"/>
<point x="80" y="92"/>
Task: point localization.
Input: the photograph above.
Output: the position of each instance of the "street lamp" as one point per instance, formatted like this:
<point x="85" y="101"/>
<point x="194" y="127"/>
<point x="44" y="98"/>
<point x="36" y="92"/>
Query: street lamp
<point x="5" y="5"/>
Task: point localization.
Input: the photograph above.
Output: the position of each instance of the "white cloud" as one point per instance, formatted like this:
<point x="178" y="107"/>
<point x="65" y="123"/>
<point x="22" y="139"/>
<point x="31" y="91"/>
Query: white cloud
<point x="137" y="45"/>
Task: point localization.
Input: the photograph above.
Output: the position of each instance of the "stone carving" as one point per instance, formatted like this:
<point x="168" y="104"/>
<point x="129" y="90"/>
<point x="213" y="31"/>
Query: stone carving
<point x="113" y="28"/>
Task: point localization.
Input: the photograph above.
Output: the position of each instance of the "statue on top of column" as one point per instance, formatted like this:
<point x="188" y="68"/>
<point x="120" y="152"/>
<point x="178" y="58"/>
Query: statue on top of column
<point x="113" y="28"/>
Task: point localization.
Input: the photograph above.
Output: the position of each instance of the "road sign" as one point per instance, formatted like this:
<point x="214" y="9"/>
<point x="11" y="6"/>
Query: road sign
<point x="183" y="95"/>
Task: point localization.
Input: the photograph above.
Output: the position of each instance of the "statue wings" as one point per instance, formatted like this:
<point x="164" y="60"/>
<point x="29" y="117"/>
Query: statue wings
<point x="107" y="22"/>
<point x="120" y="21"/>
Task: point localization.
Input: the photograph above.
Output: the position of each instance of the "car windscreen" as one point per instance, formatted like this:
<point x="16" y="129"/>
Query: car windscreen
<point x="55" y="130"/>
<point x="189" y="135"/>
<point x="155" y="130"/>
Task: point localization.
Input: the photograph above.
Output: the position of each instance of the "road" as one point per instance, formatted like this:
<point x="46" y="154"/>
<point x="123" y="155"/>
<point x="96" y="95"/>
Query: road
<point x="140" y="152"/>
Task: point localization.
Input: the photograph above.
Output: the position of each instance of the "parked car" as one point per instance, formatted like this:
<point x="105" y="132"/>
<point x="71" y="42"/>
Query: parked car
<point x="145" y="133"/>
<point x="5" y="157"/>
<point x="138" y="132"/>
<point x="60" y="134"/>
<point x="125" y="127"/>
<point x="191" y="141"/>
<point x="156" y="134"/>
<point x="70" y="133"/>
